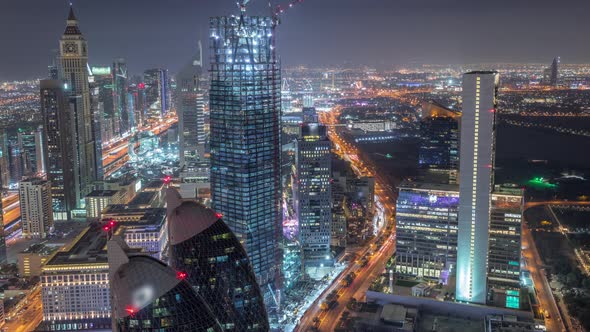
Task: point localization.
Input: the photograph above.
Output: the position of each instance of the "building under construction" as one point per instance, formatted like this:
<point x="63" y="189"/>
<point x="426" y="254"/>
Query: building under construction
<point x="245" y="111"/>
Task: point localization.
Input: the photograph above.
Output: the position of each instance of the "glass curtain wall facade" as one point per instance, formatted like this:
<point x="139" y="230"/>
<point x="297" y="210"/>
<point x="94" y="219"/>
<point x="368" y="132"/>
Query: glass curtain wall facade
<point x="217" y="267"/>
<point x="148" y="295"/>
<point x="427" y="221"/>
<point x="245" y="111"/>
<point x="58" y="154"/>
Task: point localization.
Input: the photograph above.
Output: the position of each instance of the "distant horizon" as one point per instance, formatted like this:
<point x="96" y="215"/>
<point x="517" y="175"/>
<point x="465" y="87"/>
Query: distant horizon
<point x="320" y="33"/>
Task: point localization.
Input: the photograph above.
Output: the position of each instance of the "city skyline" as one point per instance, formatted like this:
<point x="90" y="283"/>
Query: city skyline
<point x="401" y="40"/>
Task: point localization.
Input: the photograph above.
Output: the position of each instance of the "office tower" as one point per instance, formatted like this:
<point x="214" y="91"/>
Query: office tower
<point x="120" y="85"/>
<point x="308" y="100"/>
<point x="156" y="89"/>
<point x="216" y="264"/>
<point x="73" y="63"/>
<point x="245" y="111"/>
<point x="190" y="103"/>
<point x="58" y="151"/>
<point x="477" y="147"/>
<point x="148" y="295"/>
<point x="426" y="228"/>
<point x="75" y="285"/>
<point x="53" y="72"/>
<point x="2" y="238"/>
<point x="554" y="78"/>
<point x="30" y="148"/>
<point x="98" y="200"/>
<point x="439" y="133"/>
<point x="98" y="121"/>
<point x="36" y="208"/>
<point x="140" y="104"/>
<point x="505" y="243"/>
<point x="310" y="115"/>
<point x="4" y="168"/>
<point x="286" y="97"/>
<point x="312" y="194"/>
<point x="103" y="81"/>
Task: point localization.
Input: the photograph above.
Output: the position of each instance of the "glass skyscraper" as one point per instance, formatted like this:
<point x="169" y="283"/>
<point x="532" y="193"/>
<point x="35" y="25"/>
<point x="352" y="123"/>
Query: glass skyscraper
<point x="245" y="111"/>
<point x="478" y="131"/>
<point x="312" y="194"/>
<point x="439" y="132"/>
<point x="426" y="216"/>
<point x="217" y="267"/>
<point x="148" y="295"/>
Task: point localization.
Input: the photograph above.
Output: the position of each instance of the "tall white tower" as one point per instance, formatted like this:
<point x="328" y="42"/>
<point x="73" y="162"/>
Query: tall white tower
<point x="476" y="183"/>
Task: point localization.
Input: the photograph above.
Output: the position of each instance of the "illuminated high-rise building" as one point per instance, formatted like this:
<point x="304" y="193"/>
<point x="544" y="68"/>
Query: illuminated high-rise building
<point x="58" y="151"/>
<point x="505" y="244"/>
<point x="477" y="145"/>
<point x="36" y="208"/>
<point x="2" y="238"/>
<point x="426" y="230"/>
<point x="102" y="100"/>
<point x="120" y="84"/>
<point x="245" y="111"/>
<point x="30" y="146"/>
<point x="73" y="71"/>
<point x="312" y="194"/>
<point x="190" y="107"/>
<point x="4" y="169"/>
<point x="157" y="91"/>
<point x="439" y="133"/>
<point x="554" y="78"/>
<point x="216" y="264"/>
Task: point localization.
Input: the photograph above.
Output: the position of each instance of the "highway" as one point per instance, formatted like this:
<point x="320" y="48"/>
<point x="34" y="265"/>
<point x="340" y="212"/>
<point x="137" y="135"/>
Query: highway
<point x="364" y="275"/>
<point x="543" y="290"/>
<point x="26" y="320"/>
<point x="11" y="208"/>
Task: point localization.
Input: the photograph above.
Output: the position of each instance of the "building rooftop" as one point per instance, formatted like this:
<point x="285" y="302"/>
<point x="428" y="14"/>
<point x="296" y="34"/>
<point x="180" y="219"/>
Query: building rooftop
<point x="418" y="185"/>
<point x="102" y="193"/>
<point x="88" y="247"/>
<point x="39" y="248"/>
<point x="143" y="198"/>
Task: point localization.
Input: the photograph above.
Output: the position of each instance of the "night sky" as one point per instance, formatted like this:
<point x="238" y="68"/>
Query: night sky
<point x="379" y="33"/>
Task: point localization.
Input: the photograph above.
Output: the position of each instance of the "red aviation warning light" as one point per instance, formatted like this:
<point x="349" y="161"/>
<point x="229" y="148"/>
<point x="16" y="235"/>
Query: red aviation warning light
<point x="181" y="275"/>
<point x="167" y="179"/>
<point x="131" y="310"/>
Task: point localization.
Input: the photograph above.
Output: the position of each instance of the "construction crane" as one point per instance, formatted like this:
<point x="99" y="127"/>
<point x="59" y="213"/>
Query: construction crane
<point x="278" y="10"/>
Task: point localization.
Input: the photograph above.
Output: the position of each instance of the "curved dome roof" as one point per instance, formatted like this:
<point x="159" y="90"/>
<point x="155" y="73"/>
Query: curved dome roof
<point x="131" y="288"/>
<point x="189" y="219"/>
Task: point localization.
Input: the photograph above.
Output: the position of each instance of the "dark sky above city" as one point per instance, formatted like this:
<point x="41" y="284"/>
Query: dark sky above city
<point x="317" y="32"/>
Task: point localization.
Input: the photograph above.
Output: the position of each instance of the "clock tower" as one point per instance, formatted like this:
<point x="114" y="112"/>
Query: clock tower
<point x="73" y="72"/>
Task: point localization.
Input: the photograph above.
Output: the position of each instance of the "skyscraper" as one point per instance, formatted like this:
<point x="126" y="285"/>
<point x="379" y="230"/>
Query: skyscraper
<point x="245" y="111"/>
<point x="554" y="78"/>
<point x="120" y="86"/>
<point x="58" y="151"/>
<point x="190" y="103"/>
<point x="216" y="264"/>
<point x="156" y="89"/>
<point x="2" y="238"/>
<point x="30" y="146"/>
<point x="312" y="194"/>
<point x="104" y="104"/>
<point x="36" y="208"/>
<point x="148" y="295"/>
<point x="4" y="169"/>
<point x="73" y="70"/>
<point x="426" y="229"/>
<point x="439" y="132"/>
<point x="478" y="124"/>
<point x="505" y="243"/>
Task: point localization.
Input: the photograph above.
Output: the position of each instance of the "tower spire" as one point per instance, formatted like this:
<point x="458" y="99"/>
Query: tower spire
<point x="71" y="15"/>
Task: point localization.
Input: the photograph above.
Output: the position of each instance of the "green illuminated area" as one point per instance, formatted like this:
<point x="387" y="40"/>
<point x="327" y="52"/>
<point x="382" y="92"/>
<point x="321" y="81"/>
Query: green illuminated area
<point x="541" y="183"/>
<point x="512" y="299"/>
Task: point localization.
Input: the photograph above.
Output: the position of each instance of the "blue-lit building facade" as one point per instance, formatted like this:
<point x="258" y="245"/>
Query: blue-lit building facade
<point x="216" y="265"/>
<point x="427" y="222"/>
<point x="245" y="112"/>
